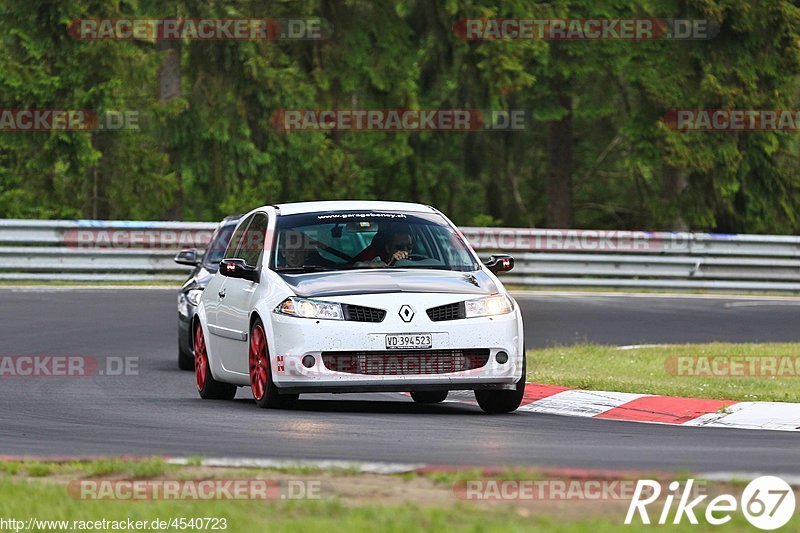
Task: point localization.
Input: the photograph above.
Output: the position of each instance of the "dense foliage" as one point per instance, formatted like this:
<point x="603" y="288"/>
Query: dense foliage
<point x="595" y="153"/>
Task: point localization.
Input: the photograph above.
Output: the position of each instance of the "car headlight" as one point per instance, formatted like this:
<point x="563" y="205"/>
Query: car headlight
<point x="194" y="295"/>
<point x="190" y="297"/>
<point x="498" y="304"/>
<point x="305" y="308"/>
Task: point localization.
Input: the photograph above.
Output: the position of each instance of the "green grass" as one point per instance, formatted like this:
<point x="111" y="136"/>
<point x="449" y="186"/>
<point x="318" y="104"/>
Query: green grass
<point x="450" y="477"/>
<point x="38" y="470"/>
<point x="10" y="467"/>
<point x="135" y="469"/>
<point x="139" y="469"/>
<point x="50" y="501"/>
<point x="194" y="460"/>
<point x="644" y="370"/>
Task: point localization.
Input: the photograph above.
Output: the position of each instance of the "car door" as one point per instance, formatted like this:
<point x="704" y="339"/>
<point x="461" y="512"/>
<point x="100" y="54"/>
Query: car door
<point x="233" y="316"/>
<point x="216" y="292"/>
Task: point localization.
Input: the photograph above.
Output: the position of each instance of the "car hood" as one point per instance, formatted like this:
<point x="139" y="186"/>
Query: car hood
<point x="380" y="281"/>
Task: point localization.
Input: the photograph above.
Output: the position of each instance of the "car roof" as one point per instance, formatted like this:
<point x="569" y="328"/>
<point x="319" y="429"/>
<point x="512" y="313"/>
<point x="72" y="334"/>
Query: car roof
<point x="231" y="219"/>
<point x="352" y="205"/>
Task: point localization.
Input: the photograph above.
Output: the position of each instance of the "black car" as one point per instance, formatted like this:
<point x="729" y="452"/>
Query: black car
<point x="189" y="296"/>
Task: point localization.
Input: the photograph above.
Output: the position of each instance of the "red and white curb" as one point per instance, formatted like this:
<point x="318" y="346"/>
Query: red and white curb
<point x="552" y="399"/>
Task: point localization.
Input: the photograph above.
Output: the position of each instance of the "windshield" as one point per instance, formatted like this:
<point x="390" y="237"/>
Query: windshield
<point x="216" y="248"/>
<point x="312" y="242"/>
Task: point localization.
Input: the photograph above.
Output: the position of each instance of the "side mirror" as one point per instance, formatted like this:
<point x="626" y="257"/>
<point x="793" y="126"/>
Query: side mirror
<point x="499" y="263"/>
<point x="187" y="257"/>
<point x="237" y="268"/>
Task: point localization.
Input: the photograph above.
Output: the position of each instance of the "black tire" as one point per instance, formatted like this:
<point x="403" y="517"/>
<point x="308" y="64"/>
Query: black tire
<point x="503" y="401"/>
<point x="265" y="393"/>
<point x="185" y="359"/>
<point x="429" y="396"/>
<point x="208" y="387"/>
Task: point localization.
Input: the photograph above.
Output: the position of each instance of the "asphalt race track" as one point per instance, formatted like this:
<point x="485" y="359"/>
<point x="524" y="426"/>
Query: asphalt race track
<point x="158" y="411"/>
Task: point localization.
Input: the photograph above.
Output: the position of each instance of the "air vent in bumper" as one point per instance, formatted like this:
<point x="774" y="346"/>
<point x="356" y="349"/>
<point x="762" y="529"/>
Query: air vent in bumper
<point x="406" y="362"/>
<point x="358" y="313"/>
<point x="447" y="312"/>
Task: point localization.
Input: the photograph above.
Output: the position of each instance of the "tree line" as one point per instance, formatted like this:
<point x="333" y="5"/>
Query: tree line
<point x="597" y="150"/>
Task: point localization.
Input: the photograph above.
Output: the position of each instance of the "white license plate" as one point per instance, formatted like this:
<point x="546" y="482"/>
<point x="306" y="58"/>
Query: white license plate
<point x="408" y="342"/>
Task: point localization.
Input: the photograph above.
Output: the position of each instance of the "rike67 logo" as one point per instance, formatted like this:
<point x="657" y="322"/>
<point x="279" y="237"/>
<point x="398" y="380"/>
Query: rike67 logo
<point x="767" y="502"/>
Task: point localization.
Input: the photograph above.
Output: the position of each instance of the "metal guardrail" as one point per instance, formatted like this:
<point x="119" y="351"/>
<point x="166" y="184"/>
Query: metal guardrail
<point x="88" y="250"/>
<point x="646" y="260"/>
<point x="97" y="250"/>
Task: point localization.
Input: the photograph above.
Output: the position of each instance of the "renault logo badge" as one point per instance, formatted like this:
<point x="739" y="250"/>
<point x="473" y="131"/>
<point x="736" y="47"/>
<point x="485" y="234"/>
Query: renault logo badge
<point x="406" y="313"/>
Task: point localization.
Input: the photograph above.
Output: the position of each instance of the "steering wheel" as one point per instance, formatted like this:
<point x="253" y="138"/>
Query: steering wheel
<point x="412" y="257"/>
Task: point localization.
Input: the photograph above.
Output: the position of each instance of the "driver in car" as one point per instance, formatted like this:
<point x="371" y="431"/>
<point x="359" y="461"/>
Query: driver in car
<point x="396" y="246"/>
<point x="399" y="247"/>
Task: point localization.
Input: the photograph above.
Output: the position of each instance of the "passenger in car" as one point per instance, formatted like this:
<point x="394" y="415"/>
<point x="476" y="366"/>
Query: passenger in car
<point x="297" y="250"/>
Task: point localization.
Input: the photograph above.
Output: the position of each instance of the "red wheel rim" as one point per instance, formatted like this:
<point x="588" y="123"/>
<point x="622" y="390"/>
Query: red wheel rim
<point x="200" y="358"/>
<point x="259" y="362"/>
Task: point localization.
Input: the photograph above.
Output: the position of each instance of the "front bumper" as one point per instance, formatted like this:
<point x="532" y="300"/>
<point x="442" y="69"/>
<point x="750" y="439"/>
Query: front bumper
<point x="294" y="338"/>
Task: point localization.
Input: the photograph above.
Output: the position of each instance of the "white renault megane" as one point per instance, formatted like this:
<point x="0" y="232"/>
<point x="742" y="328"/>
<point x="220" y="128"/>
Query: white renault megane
<point x="357" y="296"/>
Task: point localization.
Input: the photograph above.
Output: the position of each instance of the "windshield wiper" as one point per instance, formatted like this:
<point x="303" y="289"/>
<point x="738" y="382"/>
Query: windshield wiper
<point x="304" y="268"/>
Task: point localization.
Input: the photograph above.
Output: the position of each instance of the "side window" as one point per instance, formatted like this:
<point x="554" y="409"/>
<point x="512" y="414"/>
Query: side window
<point x="230" y="251"/>
<point x="219" y="243"/>
<point x="253" y="240"/>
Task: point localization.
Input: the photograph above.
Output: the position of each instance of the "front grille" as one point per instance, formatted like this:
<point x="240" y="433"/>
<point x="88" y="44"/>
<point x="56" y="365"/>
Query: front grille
<point x="447" y="312"/>
<point x="358" y="313"/>
<point x="407" y="362"/>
